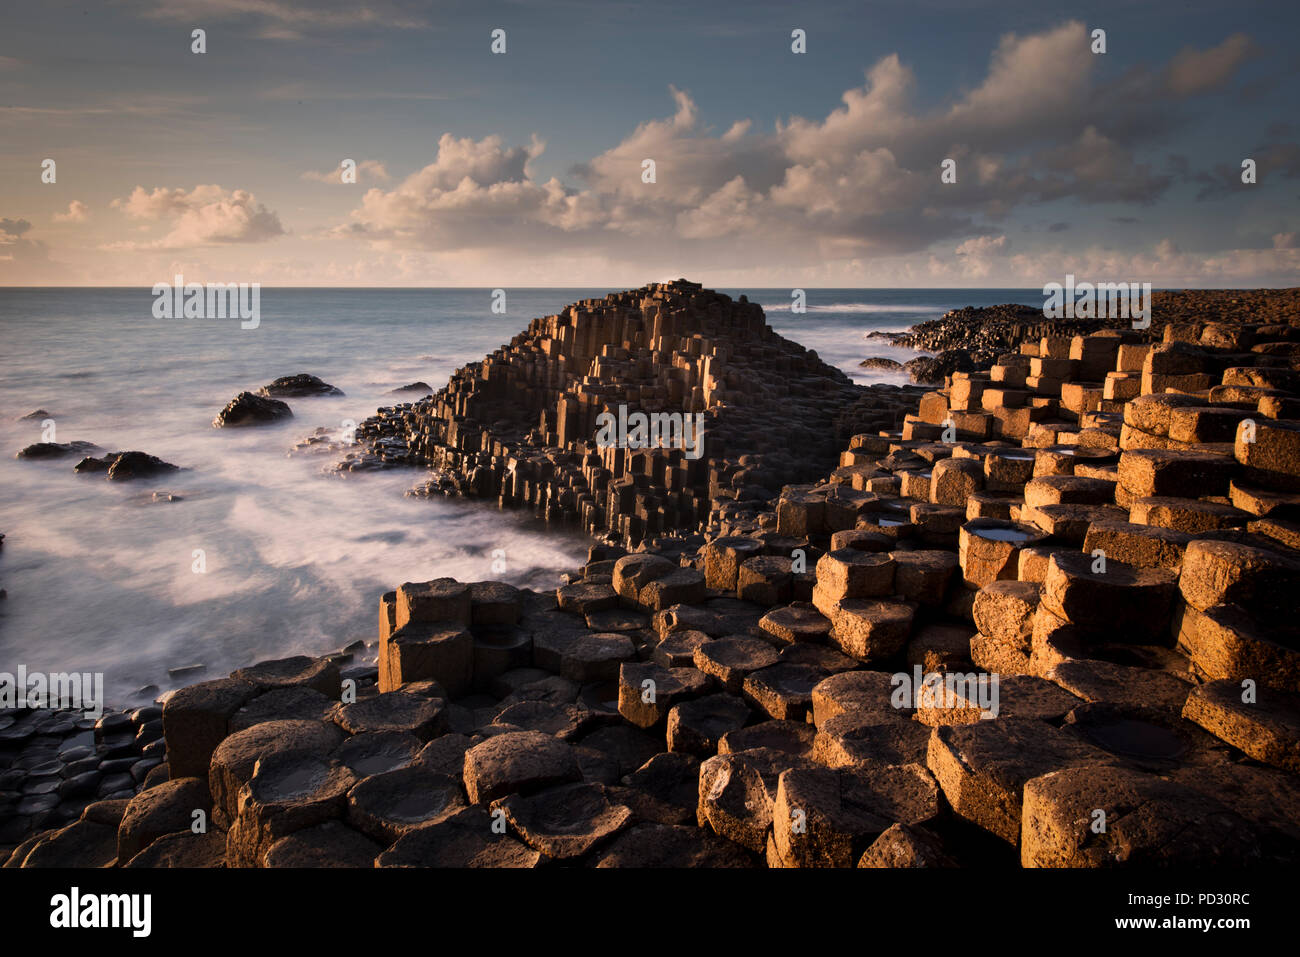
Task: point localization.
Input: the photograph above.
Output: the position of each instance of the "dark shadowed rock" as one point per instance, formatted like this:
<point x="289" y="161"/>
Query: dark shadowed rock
<point x="319" y="674"/>
<point x="375" y="752"/>
<point x="1150" y="822"/>
<point x="282" y="704"/>
<point x="467" y="839"/>
<point x="56" y="450"/>
<point x="234" y="759"/>
<point x="902" y="845"/>
<point x="289" y="791"/>
<point x="124" y="466"/>
<point x="183" y="849"/>
<point x="197" y="718"/>
<point x="249" y="409"/>
<point x="296" y="386"/>
<point x="661" y="845"/>
<point x="696" y="727"/>
<point x="567" y="821"/>
<point x="928" y="369"/>
<point x="332" y="844"/>
<point x="426" y="718"/>
<point x="882" y="364"/>
<point x="81" y="844"/>
<point x="517" y="761"/>
<point x="386" y="806"/>
<point x="164" y="809"/>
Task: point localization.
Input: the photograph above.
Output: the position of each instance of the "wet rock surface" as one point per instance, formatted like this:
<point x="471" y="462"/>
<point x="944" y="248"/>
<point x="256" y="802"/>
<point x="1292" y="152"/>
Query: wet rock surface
<point x="248" y="408"/>
<point x="296" y="386"/>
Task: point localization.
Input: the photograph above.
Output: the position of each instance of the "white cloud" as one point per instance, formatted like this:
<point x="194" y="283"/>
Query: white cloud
<point x="78" y="212"/>
<point x="207" y="215"/>
<point x="862" y="181"/>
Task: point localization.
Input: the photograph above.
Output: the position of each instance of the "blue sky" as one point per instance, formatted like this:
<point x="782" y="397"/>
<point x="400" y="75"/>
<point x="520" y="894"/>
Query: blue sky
<point x="773" y="168"/>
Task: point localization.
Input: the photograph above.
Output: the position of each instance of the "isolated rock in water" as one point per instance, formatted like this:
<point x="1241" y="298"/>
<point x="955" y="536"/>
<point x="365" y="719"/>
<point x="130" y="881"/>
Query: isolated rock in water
<point x="92" y="464"/>
<point x="54" y="450"/>
<point x="249" y="409"/>
<point x="132" y="465"/>
<point x="417" y="388"/>
<point x="121" y="466"/>
<point x="296" y="386"/>
<point x="933" y="368"/>
<point x="880" y="362"/>
<point x="31" y="416"/>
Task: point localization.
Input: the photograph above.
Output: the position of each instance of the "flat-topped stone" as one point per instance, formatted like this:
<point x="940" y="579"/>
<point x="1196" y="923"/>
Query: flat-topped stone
<point x="517" y="762"/>
<point x="983" y="767"/>
<point x="463" y="840"/>
<point x="826" y="817"/>
<point x="1266" y="727"/>
<point x="1140" y="598"/>
<point x="1149" y="821"/>
<point x="386" y="806"/>
<point x="424" y="717"/>
<point x="729" y="660"/>
<point x="696" y="727"/>
<point x="318" y="674"/>
<point x="564" y="822"/>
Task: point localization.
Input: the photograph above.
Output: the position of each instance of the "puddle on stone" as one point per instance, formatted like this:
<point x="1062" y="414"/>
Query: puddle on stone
<point x="379" y="762"/>
<point x="798" y="686"/>
<point x="414" y="808"/>
<point x="293" y="783"/>
<point x="1138" y="739"/>
<point x="1004" y="534"/>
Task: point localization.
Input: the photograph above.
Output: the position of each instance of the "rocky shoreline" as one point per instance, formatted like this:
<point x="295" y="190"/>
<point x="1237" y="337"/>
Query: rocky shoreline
<point x="970" y="339"/>
<point x="1041" y="615"/>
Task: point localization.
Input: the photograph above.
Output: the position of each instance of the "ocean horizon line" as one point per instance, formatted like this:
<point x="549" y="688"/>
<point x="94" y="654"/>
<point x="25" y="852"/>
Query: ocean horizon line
<point x="417" y="288"/>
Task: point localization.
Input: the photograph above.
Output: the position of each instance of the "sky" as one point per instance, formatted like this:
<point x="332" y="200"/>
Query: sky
<point x="771" y="168"/>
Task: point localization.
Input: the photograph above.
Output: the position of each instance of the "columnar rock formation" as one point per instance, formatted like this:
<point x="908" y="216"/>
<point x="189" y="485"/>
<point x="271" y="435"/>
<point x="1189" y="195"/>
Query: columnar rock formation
<point x="1049" y="621"/>
<point x="521" y="426"/>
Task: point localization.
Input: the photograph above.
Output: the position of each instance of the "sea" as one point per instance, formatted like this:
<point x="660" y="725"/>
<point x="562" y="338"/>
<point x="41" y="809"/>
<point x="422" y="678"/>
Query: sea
<point x="251" y="552"/>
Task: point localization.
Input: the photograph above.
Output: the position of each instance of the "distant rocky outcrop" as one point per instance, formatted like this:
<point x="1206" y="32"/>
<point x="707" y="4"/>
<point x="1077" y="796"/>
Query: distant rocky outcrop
<point x="986" y="332"/>
<point x="415" y="388"/>
<point x="520" y="426"/>
<point x="298" y="386"/>
<point x="971" y="339"/>
<point x="249" y="409"/>
<point x="882" y="364"/>
<point x="56" y="450"/>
